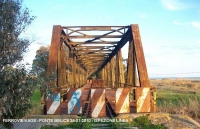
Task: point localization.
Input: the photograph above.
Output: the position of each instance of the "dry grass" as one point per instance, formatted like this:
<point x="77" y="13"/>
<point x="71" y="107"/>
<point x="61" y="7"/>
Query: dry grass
<point x="178" y="96"/>
<point x="178" y="85"/>
<point x="183" y="107"/>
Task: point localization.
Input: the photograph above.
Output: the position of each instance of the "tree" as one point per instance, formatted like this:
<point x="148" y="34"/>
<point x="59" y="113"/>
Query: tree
<point x="39" y="70"/>
<point x="15" y="82"/>
<point x="39" y="66"/>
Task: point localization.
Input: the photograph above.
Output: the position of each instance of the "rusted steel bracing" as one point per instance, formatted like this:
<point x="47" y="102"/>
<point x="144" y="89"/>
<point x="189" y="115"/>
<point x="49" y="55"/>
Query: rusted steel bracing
<point x="141" y="64"/>
<point x="61" y="67"/>
<point x="131" y="65"/>
<point x="95" y="51"/>
<point x="112" y="74"/>
<point x="54" y="51"/>
<point x="81" y="54"/>
<point x="153" y="99"/>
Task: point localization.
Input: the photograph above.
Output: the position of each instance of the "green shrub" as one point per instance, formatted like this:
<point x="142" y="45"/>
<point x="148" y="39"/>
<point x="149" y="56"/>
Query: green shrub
<point x="140" y="121"/>
<point x="143" y="123"/>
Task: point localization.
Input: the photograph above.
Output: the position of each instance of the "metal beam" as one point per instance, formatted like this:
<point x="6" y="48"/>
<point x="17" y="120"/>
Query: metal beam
<point x="66" y="27"/>
<point x="131" y="65"/>
<point x="94" y="36"/>
<point x="141" y="64"/>
<point x="54" y="48"/>
<point x="89" y="51"/>
<point x="83" y="43"/>
<point x="92" y="47"/>
<point x="123" y="41"/>
<point x="94" y="54"/>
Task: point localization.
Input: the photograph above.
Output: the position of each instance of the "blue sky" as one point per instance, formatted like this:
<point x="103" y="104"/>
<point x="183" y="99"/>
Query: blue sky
<point x="170" y="29"/>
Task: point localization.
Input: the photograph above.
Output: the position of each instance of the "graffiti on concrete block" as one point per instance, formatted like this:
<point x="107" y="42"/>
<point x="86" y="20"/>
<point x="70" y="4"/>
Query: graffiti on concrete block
<point x="74" y="102"/>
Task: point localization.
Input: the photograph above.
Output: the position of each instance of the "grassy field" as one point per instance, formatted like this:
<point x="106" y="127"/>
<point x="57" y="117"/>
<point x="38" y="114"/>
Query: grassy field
<point x="35" y="100"/>
<point x="178" y="96"/>
<point x="36" y="97"/>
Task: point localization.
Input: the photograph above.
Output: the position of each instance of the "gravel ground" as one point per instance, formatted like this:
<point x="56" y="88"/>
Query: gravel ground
<point x="174" y="121"/>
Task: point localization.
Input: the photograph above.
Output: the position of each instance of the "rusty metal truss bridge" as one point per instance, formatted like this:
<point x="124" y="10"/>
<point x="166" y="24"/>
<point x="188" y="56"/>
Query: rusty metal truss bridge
<point x="88" y="64"/>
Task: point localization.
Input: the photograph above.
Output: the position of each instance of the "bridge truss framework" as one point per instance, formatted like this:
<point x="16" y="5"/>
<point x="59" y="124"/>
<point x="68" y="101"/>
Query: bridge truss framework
<point x="77" y="53"/>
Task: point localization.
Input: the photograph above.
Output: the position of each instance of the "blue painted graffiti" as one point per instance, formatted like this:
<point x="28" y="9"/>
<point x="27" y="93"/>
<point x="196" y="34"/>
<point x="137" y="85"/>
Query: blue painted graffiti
<point x="56" y="97"/>
<point x="75" y="101"/>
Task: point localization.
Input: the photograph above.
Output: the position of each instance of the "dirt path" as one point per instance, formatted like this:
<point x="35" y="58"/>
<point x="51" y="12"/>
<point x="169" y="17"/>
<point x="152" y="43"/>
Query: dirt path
<point x="168" y="120"/>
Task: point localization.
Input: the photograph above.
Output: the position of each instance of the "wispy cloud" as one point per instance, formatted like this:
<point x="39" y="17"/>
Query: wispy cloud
<point x="196" y="24"/>
<point x="174" y="4"/>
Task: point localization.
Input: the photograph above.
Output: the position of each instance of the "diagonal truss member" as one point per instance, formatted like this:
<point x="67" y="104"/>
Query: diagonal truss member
<point x="84" y="50"/>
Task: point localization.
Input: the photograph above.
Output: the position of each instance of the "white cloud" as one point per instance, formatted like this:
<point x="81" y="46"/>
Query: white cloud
<point x="196" y="25"/>
<point x="174" y="4"/>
